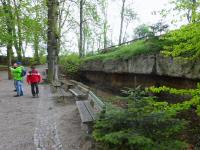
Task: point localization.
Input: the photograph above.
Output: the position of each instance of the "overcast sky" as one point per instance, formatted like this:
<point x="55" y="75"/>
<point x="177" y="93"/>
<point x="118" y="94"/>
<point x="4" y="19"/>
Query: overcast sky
<point x="143" y="8"/>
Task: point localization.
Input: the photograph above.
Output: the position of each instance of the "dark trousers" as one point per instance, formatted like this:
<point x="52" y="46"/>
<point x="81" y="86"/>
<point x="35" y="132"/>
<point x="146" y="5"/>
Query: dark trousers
<point x="34" y="89"/>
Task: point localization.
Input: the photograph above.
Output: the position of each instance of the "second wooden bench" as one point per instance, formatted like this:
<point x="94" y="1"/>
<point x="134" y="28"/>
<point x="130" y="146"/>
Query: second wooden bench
<point x="90" y="110"/>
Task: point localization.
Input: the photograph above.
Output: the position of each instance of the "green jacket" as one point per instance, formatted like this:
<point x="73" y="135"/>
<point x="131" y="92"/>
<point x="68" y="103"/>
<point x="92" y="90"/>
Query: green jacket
<point x="17" y="73"/>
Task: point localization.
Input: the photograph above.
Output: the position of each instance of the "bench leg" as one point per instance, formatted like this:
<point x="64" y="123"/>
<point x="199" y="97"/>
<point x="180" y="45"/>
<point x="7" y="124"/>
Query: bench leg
<point x="53" y="89"/>
<point x="90" y="127"/>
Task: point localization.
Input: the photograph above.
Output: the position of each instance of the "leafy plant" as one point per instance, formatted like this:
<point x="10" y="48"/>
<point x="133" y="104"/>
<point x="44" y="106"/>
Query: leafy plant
<point x="143" y="31"/>
<point x="135" y="94"/>
<point x="70" y="63"/>
<point x="183" y="42"/>
<point x="189" y="109"/>
<point x="194" y="101"/>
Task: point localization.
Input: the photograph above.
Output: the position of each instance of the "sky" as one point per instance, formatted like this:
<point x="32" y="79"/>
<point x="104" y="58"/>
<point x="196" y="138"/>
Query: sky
<point x="143" y="9"/>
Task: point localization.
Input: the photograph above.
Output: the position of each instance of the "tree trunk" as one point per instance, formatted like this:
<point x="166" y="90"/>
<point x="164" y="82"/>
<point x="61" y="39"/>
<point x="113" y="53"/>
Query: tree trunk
<point x="52" y="43"/>
<point x="84" y="40"/>
<point x="122" y="21"/>
<point x="19" y="47"/>
<point x="36" y="48"/>
<point x="105" y="34"/>
<point x="81" y="30"/>
<point x="194" y="11"/>
<point x="8" y="12"/>
<point x="105" y="24"/>
<point x="9" y="58"/>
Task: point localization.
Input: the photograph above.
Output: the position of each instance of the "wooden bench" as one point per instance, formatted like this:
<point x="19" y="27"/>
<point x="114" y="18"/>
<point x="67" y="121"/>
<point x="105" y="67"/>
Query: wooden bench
<point x="60" y="92"/>
<point x="56" y="84"/>
<point x="79" y="95"/>
<point x="62" y="76"/>
<point x="79" y="83"/>
<point x="90" y="109"/>
<point x="67" y="84"/>
<point x="79" y="90"/>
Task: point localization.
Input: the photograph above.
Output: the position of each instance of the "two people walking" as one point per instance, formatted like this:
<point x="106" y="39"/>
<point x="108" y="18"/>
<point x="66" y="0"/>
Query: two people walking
<point x="33" y="78"/>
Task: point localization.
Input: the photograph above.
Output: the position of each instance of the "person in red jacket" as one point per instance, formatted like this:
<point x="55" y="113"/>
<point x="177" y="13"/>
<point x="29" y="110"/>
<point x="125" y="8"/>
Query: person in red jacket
<point x="33" y="78"/>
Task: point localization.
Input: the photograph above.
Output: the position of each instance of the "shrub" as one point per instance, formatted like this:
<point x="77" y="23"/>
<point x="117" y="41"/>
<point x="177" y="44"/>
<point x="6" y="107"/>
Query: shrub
<point x="144" y="125"/>
<point x="70" y="63"/>
<point x="33" y="61"/>
<point x="43" y="59"/>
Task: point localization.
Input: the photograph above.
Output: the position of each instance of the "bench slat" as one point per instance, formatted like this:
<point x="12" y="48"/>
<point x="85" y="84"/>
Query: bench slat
<point x="90" y="109"/>
<point x="56" y="83"/>
<point x="64" y="93"/>
<point x="77" y="92"/>
<point x="94" y="98"/>
<point x="83" y="89"/>
<point x="85" y="115"/>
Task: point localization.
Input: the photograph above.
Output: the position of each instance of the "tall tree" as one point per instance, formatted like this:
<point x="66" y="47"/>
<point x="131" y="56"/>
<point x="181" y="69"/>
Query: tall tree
<point x="18" y="38"/>
<point x="81" y="29"/>
<point x="127" y="15"/>
<point x="104" y="11"/>
<point x="186" y="9"/>
<point x="189" y="7"/>
<point x="52" y="42"/>
<point x="122" y="21"/>
<point x="8" y="17"/>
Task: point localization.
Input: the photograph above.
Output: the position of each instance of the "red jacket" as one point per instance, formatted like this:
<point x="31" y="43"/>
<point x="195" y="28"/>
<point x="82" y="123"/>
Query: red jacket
<point x="33" y="77"/>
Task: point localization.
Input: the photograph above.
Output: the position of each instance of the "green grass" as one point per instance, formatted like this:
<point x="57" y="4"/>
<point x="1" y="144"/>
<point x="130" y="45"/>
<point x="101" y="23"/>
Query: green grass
<point x="127" y="51"/>
<point x="3" y="66"/>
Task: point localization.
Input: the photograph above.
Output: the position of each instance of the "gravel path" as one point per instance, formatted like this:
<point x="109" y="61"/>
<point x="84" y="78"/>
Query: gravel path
<point x="28" y="123"/>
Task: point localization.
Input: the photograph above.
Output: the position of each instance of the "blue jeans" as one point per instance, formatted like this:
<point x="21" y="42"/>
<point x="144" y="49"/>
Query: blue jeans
<point x="19" y="87"/>
<point x="15" y="85"/>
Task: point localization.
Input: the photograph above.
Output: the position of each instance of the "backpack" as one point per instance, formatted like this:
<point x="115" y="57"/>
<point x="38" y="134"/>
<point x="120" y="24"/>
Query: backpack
<point x="23" y="72"/>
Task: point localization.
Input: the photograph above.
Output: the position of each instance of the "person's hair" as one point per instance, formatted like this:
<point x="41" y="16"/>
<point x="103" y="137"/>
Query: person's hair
<point x="18" y="63"/>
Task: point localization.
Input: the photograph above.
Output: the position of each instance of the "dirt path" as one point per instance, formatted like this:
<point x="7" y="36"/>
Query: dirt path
<point x="28" y="123"/>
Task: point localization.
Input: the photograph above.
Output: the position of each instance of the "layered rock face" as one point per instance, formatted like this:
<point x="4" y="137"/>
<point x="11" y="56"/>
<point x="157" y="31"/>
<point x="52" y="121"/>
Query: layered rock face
<point x="155" y="64"/>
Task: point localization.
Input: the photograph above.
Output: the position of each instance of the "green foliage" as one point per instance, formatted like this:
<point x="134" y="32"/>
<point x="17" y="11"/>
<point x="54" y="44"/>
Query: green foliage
<point x="159" y="28"/>
<point x="194" y="101"/>
<point x="184" y="42"/>
<point x="127" y="51"/>
<point x="189" y="9"/>
<point x="70" y="63"/>
<point x="3" y="66"/>
<point x="143" y="31"/>
<point x="143" y="125"/>
<point x="43" y="60"/>
<point x="136" y="94"/>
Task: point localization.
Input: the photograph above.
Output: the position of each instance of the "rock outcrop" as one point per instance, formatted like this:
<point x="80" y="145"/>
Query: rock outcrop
<point x="148" y="64"/>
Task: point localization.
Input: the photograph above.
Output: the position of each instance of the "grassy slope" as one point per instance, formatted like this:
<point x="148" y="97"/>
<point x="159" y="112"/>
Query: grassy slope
<point x="3" y="66"/>
<point x="126" y="51"/>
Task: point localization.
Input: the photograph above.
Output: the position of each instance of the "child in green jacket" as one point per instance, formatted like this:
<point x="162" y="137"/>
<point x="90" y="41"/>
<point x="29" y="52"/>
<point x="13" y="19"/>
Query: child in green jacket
<point x="17" y="76"/>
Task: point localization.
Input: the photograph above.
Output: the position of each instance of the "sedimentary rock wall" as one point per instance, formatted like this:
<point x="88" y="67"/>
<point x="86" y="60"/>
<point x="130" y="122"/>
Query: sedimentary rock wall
<point x="155" y="64"/>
